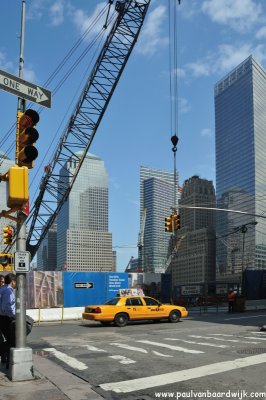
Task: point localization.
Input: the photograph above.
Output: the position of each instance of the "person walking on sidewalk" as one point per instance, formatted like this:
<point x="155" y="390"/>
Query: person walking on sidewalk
<point x="2" y="339"/>
<point x="8" y="313"/>
<point x="231" y="298"/>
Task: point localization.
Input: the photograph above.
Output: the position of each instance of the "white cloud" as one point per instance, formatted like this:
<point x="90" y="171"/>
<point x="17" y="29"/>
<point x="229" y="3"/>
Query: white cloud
<point x="206" y="132"/>
<point x="4" y="64"/>
<point x="226" y="58"/>
<point x="29" y="74"/>
<point x="261" y="34"/>
<point x="199" y="68"/>
<point x="36" y="9"/>
<point x="183" y="105"/>
<point x="83" y="21"/>
<point x="240" y="15"/>
<point x="151" y="37"/>
<point x="57" y="13"/>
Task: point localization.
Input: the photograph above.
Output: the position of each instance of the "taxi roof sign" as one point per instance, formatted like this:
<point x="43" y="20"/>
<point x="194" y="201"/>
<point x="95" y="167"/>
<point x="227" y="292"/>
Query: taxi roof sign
<point x="131" y="292"/>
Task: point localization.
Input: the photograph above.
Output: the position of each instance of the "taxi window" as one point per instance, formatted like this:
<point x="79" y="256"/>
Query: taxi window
<point x="112" y="302"/>
<point x="150" y="302"/>
<point x="133" y="301"/>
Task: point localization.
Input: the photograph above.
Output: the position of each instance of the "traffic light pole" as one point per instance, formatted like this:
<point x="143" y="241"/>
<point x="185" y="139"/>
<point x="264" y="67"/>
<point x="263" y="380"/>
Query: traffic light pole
<point x="21" y="364"/>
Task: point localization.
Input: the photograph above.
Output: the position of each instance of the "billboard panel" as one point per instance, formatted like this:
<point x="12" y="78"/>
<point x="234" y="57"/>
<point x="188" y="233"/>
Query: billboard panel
<point x="85" y="288"/>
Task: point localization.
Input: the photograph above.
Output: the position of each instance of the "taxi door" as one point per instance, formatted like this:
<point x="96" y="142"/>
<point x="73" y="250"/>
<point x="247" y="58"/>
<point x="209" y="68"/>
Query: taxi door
<point x="135" y="308"/>
<point x="153" y="308"/>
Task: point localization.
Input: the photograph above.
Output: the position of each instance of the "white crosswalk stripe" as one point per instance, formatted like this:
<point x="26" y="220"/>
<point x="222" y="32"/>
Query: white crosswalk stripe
<point x="72" y="362"/>
<point x="222" y="346"/>
<point x="180" y="376"/>
<point x="168" y="346"/>
<point x="123" y="360"/>
<point x="125" y="346"/>
<point x="221" y="339"/>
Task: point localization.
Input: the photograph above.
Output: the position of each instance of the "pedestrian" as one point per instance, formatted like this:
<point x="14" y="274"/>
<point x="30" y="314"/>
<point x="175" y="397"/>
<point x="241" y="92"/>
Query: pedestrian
<point x="2" y="339"/>
<point x="231" y="297"/>
<point x="8" y="314"/>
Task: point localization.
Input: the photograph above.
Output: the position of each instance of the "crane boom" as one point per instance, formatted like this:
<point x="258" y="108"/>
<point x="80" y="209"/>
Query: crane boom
<point x="75" y="142"/>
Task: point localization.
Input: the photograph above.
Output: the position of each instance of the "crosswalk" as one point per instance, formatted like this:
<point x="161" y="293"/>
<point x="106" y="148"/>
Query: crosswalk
<point x="126" y="351"/>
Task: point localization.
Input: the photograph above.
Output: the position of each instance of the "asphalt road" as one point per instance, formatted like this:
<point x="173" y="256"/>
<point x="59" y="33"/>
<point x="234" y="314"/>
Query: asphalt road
<point x="204" y="356"/>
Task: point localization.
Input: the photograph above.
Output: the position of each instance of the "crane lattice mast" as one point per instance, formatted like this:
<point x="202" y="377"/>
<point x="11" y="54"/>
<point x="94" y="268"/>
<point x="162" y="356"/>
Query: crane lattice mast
<point x="75" y="142"/>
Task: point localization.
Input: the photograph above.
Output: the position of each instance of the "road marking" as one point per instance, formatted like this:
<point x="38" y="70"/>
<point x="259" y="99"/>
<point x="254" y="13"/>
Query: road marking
<point x="221" y="339"/>
<point x="242" y="337"/>
<point x="93" y="348"/>
<point x="72" y="362"/>
<point x="220" y="334"/>
<point x="123" y="360"/>
<point x="125" y="346"/>
<point x="168" y="346"/>
<point x="222" y="346"/>
<point x="179" y="376"/>
<point x="161" y="354"/>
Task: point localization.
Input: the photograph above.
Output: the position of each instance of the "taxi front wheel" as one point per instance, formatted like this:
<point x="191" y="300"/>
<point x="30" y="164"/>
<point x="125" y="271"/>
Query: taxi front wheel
<point x="174" y="316"/>
<point x="121" y="320"/>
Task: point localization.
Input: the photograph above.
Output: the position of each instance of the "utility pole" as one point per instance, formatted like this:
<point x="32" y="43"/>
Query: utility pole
<point x="244" y="229"/>
<point x="21" y="363"/>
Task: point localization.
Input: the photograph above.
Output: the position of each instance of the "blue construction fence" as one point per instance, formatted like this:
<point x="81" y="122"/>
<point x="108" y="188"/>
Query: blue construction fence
<point x="46" y="289"/>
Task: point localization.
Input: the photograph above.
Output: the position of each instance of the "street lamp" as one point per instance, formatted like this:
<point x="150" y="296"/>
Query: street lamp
<point x="243" y="229"/>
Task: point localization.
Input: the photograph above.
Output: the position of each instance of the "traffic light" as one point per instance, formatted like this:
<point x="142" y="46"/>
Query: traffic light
<point x="176" y="219"/>
<point x="6" y="262"/>
<point x="168" y="224"/>
<point x="8" y="234"/>
<point x="26" y="136"/>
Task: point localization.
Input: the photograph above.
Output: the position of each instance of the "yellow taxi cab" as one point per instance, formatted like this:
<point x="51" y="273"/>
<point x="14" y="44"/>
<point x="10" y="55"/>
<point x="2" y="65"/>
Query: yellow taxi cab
<point x="122" y="309"/>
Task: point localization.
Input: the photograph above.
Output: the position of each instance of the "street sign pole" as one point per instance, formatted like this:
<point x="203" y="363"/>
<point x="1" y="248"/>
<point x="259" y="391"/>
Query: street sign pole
<point x="21" y="361"/>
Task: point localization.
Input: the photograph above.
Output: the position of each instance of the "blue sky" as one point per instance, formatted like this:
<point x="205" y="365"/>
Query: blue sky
<point x="213" y="37"/>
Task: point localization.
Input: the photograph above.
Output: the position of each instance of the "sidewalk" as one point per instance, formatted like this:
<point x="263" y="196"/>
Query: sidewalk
<point x="51" y="383"/>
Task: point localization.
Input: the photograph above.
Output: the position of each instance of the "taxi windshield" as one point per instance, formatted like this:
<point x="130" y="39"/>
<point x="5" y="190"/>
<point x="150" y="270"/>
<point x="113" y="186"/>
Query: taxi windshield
<point x="112" y="302"/>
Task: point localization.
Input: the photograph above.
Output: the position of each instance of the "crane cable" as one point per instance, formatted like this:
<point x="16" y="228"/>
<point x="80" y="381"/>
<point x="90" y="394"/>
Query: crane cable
<point x="99" y="37"/>
<point x="173" y="71"/>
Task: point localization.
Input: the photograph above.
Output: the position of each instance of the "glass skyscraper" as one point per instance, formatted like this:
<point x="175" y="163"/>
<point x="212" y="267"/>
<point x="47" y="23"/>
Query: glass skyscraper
<point x="157" y="197"/>
<point x="240" y="121"/>
<point x="83" y="240"/>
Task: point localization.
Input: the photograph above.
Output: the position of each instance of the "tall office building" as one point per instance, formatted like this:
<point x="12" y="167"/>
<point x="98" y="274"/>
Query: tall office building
<point x="240" y="120"/>
<point x="83" y="240"/>
<point x="5" y="164"/>
<point x="193" y="246"/>
<point x="157" y="197"/>
<point x="47" y="252"/>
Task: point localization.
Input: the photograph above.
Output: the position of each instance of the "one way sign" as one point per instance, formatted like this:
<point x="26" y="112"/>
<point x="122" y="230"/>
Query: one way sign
<point x="24" y="89"/>
<point x="83" y="285"/>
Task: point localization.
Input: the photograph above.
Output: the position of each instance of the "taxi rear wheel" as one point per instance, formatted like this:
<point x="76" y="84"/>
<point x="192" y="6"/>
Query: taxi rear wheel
<point x="121" y="320"/>
<point x="174" y="316"/>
